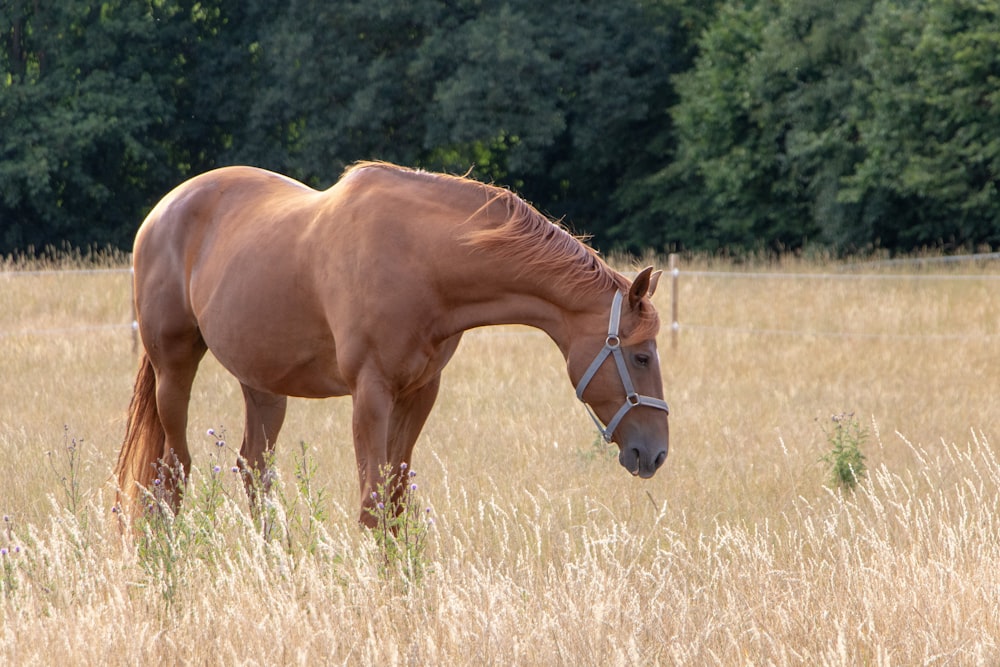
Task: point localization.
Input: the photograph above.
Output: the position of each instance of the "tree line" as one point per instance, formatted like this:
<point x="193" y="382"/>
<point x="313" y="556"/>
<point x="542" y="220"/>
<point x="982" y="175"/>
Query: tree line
<point x="720" y="125"/>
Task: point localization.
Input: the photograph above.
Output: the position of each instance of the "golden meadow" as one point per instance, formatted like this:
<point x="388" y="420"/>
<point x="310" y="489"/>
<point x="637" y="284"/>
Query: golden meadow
<point x="542" y="550"/>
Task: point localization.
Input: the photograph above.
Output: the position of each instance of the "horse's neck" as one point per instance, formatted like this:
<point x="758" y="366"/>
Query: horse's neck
<point x="491" y="282"/>
<point x="526" y="299"/>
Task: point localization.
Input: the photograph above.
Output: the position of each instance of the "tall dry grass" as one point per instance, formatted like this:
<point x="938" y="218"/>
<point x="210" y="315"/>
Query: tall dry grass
<point x="543" y="550"/>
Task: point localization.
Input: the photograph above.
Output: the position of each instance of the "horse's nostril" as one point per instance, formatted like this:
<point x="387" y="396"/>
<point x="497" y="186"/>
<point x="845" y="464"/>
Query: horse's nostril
<point x="660" y="458"/>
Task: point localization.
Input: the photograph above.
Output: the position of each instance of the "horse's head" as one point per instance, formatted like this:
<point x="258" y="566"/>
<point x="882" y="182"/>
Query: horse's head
<point x="617" y="374"/>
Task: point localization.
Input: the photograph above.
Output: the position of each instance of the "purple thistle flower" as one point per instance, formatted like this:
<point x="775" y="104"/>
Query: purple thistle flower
<point x="402" y="466"/>
<point x="157" y="481"/>
<point x="413" y="473"/>
<point x="3" y="551"/>
<point x="413" y="487"/>
<point x="381" y="506"/>
<point x="211" y="432"/>
<point x="235" y="469"/>
<point x="216" y="469"/>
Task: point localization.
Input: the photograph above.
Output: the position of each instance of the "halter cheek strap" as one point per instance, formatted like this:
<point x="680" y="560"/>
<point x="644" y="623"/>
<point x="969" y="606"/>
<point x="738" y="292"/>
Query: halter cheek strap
<point x="613" y="347"/>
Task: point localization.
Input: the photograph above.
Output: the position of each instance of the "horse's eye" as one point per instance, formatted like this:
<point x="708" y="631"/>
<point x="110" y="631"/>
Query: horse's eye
<point x="642" y="360"/>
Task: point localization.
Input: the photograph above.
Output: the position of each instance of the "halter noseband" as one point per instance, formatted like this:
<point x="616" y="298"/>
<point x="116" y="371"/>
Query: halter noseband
<point x="613" y="347"/>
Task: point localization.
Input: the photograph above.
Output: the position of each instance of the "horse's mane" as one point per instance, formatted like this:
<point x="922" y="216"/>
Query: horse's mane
<point x="537" y="243"/>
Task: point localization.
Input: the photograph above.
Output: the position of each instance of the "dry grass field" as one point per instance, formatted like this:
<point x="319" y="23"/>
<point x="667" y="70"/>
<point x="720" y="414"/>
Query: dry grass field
<point x="543" y="550"/>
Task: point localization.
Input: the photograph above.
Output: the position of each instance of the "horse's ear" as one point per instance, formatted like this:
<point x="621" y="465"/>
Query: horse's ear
<point x="640" y="287"/>
<point x="654" y="280"/>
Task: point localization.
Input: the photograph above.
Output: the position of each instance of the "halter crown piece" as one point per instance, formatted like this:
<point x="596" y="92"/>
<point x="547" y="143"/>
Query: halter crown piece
<point x="613" y="347"/>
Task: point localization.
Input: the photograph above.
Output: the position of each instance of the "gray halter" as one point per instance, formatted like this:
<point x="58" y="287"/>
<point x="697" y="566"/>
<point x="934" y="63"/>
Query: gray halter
<point x="613" y="347"/>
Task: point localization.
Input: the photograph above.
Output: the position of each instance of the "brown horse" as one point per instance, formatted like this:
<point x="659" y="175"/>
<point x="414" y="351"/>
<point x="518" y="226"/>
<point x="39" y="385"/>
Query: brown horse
<point x="365" y="289"/>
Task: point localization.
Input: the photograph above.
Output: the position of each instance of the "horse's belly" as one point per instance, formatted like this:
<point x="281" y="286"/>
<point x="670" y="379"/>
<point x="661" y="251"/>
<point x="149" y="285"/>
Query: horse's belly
<point x="287" y="373"/>
<point x="274" y="351"/>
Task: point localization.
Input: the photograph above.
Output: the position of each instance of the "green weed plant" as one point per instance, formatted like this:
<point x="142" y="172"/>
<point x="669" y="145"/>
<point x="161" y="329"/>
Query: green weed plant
<point x="401" y="526"/>
<point x="845" y="459"/>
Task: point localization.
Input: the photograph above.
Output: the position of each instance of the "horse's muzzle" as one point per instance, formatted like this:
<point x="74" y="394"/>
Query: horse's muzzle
<point x="642" y="462"/>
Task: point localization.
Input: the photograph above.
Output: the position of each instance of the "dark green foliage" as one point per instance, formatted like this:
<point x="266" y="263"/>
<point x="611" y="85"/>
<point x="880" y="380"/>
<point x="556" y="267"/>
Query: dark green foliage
<point x="563" y="101"/>
<point x="857" y="124"/>
<point x="106" y="106"/>
<point x="738" y="124"/>
<point x="766" y="125"/>
<point x="79" y="97"/>
<point x="933" y="131"/>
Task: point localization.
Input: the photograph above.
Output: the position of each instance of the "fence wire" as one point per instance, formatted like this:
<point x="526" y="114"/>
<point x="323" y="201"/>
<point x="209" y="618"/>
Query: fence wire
<point x="59" y="331"/>
<point x="676" y="326"/>
<point x="916" y="277"/>
<point x="857" y="335"/>
<point x="852" y="277"/>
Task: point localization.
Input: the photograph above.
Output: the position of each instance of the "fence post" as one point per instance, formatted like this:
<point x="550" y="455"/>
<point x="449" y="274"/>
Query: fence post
<point x="674" y="323"/>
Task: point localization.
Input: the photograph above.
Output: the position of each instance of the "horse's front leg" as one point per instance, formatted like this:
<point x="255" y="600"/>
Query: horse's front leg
<point x="409" y="414"/>
<point x="372" y="411"/>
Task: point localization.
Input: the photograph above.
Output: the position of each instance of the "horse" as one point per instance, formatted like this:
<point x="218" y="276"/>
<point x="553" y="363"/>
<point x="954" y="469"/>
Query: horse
<point x="365" y="289"/>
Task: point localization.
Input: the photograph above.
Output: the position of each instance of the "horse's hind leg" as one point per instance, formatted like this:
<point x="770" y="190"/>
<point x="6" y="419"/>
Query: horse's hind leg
<point x="175" y="359"/>
<point x="265" y="413"/>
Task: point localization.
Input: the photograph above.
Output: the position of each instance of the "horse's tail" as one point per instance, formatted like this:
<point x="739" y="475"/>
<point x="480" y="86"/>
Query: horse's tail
<point x="144" y="440"/>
